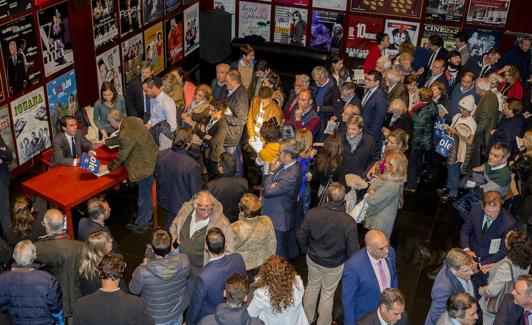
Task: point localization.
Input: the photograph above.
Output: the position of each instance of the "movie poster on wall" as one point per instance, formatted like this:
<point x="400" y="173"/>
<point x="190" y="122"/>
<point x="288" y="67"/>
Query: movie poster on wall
<point x="480" y="41"/>
<point x="330" y="4"/>
<point x="327" y="31"/>
<point x="191" y="25"/>
<point x="21" y="57"/>
<point x="62" y="99"/>
<point x="30" y="120"/>
<point x="445" y="32"/>
<point x="293" y="2"/>
<point x="493" y="12"/>
<point x="229" y="7"/>
<point x="174" y="39"/>
<point x="132" y="55"/>
<point x="154" y="47"/>
<point x="362" y="34"/>
<point x="172" y="5"/>
<point x="7" y="134"/>
<point x="104" y="22"/>
<point x="108" y="65"/>
<point x="254" y="19"/>
<point x="12" y="7"/>
<point x="290" y="25"/>
<point x="54" y="27"/>
<point x="130" y="16"/>
<point x="400" y="31"/>
<point x="445" y="10"/>
<point x="401" y="8"/>
<point x="152" y="10"/>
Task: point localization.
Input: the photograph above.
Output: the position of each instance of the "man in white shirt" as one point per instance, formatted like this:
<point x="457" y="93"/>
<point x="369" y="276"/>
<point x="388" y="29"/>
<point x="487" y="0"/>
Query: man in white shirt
<point x="391" y="310"/>
<point x="162" y="106"/>
<point x="67" y="145"/>
<point x="461" y="310"/>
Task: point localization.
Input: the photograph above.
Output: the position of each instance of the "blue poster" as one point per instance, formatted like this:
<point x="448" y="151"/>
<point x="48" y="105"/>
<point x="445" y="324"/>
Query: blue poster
<point x="445" y="145"/>
<point x="90" y="163"/>
<point x="62" y="99"/>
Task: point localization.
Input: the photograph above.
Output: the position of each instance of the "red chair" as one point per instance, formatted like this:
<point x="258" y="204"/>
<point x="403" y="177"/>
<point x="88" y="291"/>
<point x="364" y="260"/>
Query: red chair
<point x="46" y="157"/>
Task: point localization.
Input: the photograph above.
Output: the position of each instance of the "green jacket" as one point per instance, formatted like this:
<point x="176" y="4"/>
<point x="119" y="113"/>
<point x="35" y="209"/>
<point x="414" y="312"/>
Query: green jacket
<point x="487" y="115"/>
<point x="423" y="126"/>
<point x="138" y="151"/>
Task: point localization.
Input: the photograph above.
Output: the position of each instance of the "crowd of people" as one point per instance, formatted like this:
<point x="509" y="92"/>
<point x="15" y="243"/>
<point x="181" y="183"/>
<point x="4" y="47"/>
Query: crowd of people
<point x="248" y="178"/>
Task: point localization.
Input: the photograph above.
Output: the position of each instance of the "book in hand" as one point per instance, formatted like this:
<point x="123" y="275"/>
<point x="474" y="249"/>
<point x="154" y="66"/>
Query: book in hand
<point x="90" y="163"/>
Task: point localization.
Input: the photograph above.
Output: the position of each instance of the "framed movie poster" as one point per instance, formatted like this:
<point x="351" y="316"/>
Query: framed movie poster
<point x="108" y="65"/>
<point x="401" y="8"/>
<point x="492" y="12"/>
<point x="20" y="52"/>
<point x="30" y="118"/>
<point x="62" y="99"/>
<point x="191" y="25"/>
<point x="229" y="7"/>
<point x="7" y="134"/>
<point x="294" y="2"/>
<point x="290" y="25"/>
<point x="172" y="5"/>
<point x="362" y="34"/>
<point x="480" y="41"/>
<point x="132" y="55"/>
<point x="104" y="22"/>
<point x="254" y="19"/>
<point x="154" y="47"/>
<point x="330" y="4"/>
<point x="445" y="32"/>
<point x="152" y="10"/>
<point x="174" y="40"/>
<point x="13" y="7"/>
<point x="445" y="10"/>
<point x="130" y="16"/>
<point x="400" y="31"/>
<point x="54" y="27"/>
<point x="327" y="31"/>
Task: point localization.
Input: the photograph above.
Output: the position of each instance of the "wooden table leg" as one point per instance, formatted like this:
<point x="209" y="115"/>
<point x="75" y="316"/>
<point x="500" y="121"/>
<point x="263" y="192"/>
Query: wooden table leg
<point x="70" y="225"/>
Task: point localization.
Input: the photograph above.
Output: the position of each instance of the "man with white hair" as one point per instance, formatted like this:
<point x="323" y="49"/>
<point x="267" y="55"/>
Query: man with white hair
<point x="301" y="83"/>
<point x="383" y="64"/>
<point x="394" y="87"/>
<point x="29" y="295"/>
<point x="486" y="115"/>
<point x="326" y="92"/>
<point x="219" y="89"/>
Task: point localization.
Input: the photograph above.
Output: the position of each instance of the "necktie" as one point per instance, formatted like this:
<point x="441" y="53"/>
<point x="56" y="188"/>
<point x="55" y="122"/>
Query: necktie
<point x="14" y="59"/>
<point x="73" y="148"/>
<point x="366" y="97"/>
<point x="382" y="275"/>
<point x="148" y="106"/>
<point x="525" y="317"/>
<point x="485" y="227"/>
<point x="432" y="59"/>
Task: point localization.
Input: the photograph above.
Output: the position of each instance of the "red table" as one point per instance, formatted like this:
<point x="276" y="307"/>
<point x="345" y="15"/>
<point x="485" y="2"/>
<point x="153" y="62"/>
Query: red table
<point x="67" y="186"/>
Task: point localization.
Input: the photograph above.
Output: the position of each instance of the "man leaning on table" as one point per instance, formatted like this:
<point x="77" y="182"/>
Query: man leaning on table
<point x="68" y="145"/>
<point x="138" y="153"/>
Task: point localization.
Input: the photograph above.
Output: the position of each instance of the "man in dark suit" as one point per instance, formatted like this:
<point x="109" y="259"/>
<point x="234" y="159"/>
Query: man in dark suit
<point x="455" y="276"/>
<point x="325" y="91"/>
<point x="515" y="308"/>
<point x="137" y="102"/>
<point x="367" y="273"/>
<point x="395" y="87"/>
<point x="68" y="145"/>
<point x="301" y="83"/>
<point x="98" y="212"/>
<point x="279" y="197"/>
<point x="483" y="233"/>
<point x="347" y="96"/>
<point x="17" y="76"/>
<point x="436" y="74"/>
<point x="391" y="310"/>
<point x="210" y="283"/>
<point x="437" y="52"/>
<point x="6" y="156"/>
<point x="483" y="66"/>
<point x="374" y="104"/>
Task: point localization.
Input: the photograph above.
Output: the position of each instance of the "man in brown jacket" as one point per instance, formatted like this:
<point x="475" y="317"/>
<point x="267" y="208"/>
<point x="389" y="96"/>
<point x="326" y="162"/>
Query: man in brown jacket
<point x="138" y="152"/>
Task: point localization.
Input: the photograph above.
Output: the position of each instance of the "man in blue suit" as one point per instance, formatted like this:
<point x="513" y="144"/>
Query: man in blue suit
<point x="483" y="234"/>
<point x="366" y="274"/>
<point x="279" y="197"/>
<point x="455" y="276"/>
<point x="374" y="104"/>
<point x="6" y="156"/>
<point x="210" y="284"/>
<point x="516" y="306"/>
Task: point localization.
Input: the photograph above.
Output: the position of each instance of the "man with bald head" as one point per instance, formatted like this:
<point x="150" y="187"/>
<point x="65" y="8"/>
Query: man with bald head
<point x="486" y="115"/>
<point x="366" y="274"/>
<point x="219" y="89"/>
<point x="61" y="256"/>
<point x="303" y="115"/>
<point x="190" y="228"/>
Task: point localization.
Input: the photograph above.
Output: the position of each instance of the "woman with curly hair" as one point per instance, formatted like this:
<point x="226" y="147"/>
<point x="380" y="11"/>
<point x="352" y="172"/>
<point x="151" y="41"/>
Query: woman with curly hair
<point x="26" y="225"/>
<point x="98" y="244"/>
<point x="278" y="300"/>
<point x="516" y="263"/>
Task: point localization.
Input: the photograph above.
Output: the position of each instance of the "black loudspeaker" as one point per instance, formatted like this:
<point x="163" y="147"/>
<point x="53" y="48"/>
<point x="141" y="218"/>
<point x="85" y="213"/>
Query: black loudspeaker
<point x="215" y="35"/>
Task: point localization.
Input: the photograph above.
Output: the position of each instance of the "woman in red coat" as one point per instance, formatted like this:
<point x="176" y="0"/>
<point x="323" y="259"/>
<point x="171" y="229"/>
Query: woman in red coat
<point x="511" y="87"/>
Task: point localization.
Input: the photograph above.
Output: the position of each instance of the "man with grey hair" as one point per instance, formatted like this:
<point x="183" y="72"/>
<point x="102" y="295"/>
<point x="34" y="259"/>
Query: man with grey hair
<point x="326" y="92"/>
<point x="454" y="277"/>
<point x="191" y="224"/>
<point x="486" y="115"/>
<point x="29" y="295"/>
<point x="461" y="310"/>
<point x="219" y="89"/>
<point x="301" y="83"/>
<point x="515" y="308"/>
<point x="326" y="254"/>
<point x="391" y="310"/>
<point x="394" y="87"/>
<point x="347" y="97"/>
<point x="61" y="256"/>
<point x="280" y="188"/>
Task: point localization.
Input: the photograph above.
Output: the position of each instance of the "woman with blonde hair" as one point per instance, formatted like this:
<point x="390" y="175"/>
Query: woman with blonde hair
<point x="403" y="63"/>
<point x="25" y="223"/>
<point x="198" y="110"/>
<point x="98" y="244"/>
<point x="306" y="154"/>
<point x="384" y="194"/>
<point x="278" y="300"/>
<point x="172" y="89"/>
<point x="511" y="87"/>
<point x="188" y="87"/>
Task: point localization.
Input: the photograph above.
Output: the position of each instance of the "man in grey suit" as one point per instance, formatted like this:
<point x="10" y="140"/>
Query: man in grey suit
<point x="279" y="197"/>
<point x="68" y="144"/>
<point x="461" y="310"/>
<point x="391" y="310"/>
